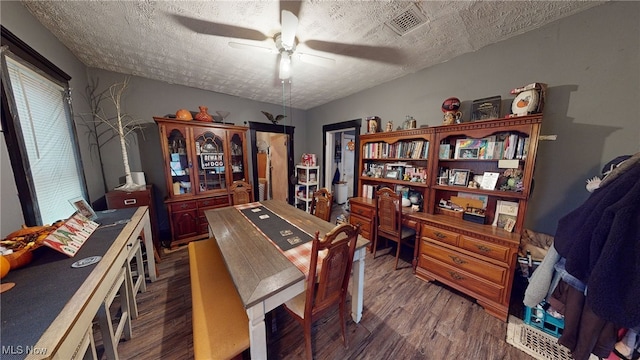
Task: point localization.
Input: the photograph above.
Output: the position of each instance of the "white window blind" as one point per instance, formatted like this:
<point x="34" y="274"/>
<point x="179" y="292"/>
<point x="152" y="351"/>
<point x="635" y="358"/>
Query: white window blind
<point x="47" y="131"/>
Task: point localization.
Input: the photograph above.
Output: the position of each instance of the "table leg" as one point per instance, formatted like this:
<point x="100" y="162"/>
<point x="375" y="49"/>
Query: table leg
<point x="148" y="245"/>
<point x="357" y="288"/>
<point x="257" y="332"/>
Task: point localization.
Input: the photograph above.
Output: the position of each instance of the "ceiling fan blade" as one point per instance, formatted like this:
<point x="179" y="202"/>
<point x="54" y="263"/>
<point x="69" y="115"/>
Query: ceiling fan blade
<point x="218" y="29"/>
<point x="289" y="28"/>
<point x="383" y="54"/>
<point x="243" y="46"/>
<point x="316" y="60"/>
<point x="292" y="6"/>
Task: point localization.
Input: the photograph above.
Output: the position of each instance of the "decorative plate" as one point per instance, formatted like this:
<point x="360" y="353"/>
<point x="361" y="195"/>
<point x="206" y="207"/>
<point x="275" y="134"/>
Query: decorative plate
<point x="525" y="102"/>
<point x="86" y="261"/>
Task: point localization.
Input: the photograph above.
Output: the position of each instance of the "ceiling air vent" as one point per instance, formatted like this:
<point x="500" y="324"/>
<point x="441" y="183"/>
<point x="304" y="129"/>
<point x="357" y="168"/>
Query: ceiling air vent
<point x="410" y="19"/>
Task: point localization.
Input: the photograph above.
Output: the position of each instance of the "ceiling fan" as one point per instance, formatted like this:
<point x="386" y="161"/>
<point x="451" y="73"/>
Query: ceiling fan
<point x="285" y="42"/>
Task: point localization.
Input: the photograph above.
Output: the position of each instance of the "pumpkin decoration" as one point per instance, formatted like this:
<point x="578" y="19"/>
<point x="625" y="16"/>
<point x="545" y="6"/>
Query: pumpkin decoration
<point x="183" y="114"/>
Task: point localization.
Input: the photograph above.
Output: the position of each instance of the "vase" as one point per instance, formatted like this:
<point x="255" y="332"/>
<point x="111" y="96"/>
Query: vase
<point x="203" y="115"/>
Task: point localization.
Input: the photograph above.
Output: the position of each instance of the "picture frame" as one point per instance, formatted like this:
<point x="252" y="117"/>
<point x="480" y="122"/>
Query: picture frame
<point x="460" y="177"/>
<point x="83" y="208"/>
<point x="486" y="108"/>
<point x="392" y="174"/>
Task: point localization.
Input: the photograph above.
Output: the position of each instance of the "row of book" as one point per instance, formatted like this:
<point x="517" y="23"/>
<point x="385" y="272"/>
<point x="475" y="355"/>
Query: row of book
<point x="369" y="191"/>
<point x="501" y="146"/>
<point x="418" y="149"/>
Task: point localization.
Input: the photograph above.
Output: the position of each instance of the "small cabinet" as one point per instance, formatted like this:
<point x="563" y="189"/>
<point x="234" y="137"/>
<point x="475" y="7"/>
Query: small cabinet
<point x="307" y="185"/>
<point x="202" y="160"/>
<point x="117" y="199"/>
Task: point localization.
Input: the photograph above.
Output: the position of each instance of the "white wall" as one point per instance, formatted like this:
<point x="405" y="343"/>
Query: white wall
<point x="590" y="61"/>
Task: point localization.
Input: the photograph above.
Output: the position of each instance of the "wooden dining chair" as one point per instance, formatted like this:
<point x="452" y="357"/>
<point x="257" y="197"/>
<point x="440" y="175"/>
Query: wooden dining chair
<point x="389" y="222"/>
<point x="321" y="204"/>
<point x="330" y="287"/>
<point x="241" y="192"/>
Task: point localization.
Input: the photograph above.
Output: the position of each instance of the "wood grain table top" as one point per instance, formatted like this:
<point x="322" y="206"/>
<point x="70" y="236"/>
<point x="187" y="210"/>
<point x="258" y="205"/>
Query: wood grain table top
<point x="257" y="267"/>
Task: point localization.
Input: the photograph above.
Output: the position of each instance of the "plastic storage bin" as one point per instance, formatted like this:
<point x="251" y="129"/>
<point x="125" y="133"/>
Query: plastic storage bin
<point x="540" y="319"/>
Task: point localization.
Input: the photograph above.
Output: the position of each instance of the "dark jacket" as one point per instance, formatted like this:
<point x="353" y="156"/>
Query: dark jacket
<point x="601" y="243"/>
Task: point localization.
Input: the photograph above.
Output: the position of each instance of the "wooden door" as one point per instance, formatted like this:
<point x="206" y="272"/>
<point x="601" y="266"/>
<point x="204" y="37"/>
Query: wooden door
<point x="279" y="168"/>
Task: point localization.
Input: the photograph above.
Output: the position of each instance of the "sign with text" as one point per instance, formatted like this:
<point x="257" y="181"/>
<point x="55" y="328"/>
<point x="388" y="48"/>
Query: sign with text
<point x="212" y="160"/>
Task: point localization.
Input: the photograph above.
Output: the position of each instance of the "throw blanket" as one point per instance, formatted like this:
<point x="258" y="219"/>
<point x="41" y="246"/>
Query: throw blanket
<point x="601" y="243"/>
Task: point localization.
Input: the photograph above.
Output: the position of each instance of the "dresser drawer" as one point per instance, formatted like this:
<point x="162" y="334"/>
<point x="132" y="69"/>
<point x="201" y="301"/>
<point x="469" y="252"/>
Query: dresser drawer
<point x="213" y="202"/>
<point x="461" y="279"/>
<point x="123" y="199"/>
<point x="366" y="229"/>
<point x="477" y="267"/>
<point x="439" y="235"/>
<point x="485" y="248"/>
<point x="183" y="206"/>
<point x="361" y="210"/>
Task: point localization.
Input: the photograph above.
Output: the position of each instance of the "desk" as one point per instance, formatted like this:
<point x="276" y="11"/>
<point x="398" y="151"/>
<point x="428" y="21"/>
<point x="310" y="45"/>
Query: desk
<point x="49" y="312"/>
<point x="263" y="276"/>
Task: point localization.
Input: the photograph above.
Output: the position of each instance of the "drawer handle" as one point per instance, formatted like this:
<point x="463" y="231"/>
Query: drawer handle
<point x="129" y="201"/>
<point x="483" y="248"/>
<point x="184" y="206"/>
<point x="440" y="235"/>
<point x="455" y="275"/>
<point x="129" y="245"/>
<point x="359" y="211"/>
<point x="206" y="202"/>
<point x="457" y="260"/>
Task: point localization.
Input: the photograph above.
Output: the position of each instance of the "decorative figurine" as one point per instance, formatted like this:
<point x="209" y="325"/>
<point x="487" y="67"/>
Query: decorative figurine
<point x="389" y="126"/>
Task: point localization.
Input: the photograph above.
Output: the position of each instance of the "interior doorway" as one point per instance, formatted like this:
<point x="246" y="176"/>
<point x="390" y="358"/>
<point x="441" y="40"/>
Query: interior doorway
<point x="341" y="156"/>
<point x="272" y="160"/>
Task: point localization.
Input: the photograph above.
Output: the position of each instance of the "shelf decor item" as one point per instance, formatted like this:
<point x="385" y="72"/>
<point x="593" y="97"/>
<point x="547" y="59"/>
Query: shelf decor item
<point x="203" y="115"/>
<point x="486" y="108"/>
<point x="459" y="177"/>
<point x="373" y="124"/>
<point x="529" y="99"/>
<point x="184" y="114"/>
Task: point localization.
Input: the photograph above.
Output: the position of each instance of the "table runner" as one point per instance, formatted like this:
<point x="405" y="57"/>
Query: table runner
<point x="299" y="255"/>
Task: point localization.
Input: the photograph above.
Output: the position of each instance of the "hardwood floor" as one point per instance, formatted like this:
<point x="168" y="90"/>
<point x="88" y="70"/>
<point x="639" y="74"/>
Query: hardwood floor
<point x="403" y="318"/>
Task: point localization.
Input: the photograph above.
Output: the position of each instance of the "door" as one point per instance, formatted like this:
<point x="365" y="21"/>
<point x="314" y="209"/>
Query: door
<point x="278" y="170"/>
<point x="279" y="173"/>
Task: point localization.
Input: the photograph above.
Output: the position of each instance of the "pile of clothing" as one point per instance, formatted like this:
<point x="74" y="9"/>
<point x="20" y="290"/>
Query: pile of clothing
<point x="591" y="274"/>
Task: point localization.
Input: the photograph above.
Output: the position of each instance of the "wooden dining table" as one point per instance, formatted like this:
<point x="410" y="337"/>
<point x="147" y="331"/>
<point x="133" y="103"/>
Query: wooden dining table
<point x="266" y="276"/>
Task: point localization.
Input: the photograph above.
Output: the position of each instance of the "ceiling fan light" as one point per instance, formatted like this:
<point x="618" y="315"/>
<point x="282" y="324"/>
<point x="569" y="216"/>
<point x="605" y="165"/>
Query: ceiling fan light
<point x="285" y="66"/>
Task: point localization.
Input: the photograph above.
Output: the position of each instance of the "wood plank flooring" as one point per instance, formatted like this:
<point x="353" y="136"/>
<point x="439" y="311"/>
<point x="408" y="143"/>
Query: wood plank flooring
<point x="403" y="318"/>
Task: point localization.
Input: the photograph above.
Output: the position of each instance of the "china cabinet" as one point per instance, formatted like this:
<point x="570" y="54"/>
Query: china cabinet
<point x="201" y="161"/>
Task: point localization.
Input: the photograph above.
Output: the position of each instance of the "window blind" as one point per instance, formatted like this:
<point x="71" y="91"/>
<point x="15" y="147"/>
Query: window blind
<point x="46" y="128"/>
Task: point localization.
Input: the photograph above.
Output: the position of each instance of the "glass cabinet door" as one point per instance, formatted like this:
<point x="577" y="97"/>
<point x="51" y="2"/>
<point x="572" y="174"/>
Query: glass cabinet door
<point x="210" y="160"/>
<point x="179" y="163"/>
<point x="238" y="159"/>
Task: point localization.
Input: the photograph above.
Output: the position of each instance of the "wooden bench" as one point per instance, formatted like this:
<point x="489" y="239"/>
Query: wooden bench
<point x="220" y="322"/>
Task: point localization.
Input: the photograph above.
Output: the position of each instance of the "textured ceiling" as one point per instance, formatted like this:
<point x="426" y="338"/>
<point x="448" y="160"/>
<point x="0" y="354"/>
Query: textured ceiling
<point x="186" y="42"/>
